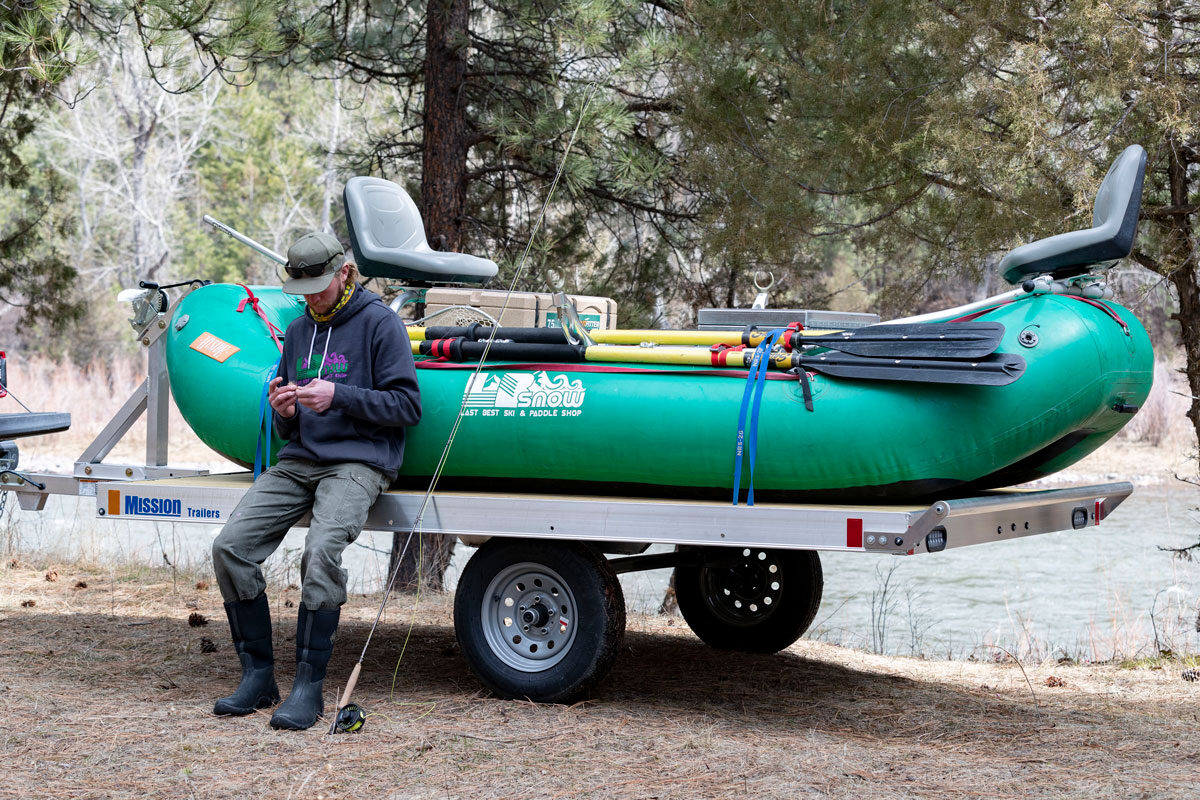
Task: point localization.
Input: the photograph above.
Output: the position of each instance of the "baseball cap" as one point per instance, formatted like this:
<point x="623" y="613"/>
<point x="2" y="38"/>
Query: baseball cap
<point x="312" y="262"/>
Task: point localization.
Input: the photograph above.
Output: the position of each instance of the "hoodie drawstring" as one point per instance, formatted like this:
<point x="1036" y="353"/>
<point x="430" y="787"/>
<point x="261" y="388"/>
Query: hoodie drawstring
<point x="312" y="343"/>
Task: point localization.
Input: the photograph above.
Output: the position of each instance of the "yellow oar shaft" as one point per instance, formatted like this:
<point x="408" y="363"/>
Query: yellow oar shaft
<point x="678" y="355"/>
<point x="634" y="336"/>
<point x="700" y="338"/>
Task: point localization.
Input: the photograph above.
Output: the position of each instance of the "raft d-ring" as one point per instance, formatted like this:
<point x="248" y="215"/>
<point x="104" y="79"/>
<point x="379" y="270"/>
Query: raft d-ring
<point x="1028" y="337"/>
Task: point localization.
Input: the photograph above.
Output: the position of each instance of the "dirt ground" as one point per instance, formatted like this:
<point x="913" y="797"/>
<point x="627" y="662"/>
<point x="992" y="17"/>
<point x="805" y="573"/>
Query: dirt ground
<point x="106" y="692"/>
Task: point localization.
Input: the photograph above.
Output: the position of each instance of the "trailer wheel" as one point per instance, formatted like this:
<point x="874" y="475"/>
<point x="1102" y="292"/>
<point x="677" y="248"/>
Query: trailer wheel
<point x="539" y="620"/>
<point x="749" y="600"/>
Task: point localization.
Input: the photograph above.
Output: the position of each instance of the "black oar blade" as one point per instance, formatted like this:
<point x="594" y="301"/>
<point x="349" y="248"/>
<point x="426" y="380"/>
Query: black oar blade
<point x="997" y="369"/>
<point x="918" y="340"/>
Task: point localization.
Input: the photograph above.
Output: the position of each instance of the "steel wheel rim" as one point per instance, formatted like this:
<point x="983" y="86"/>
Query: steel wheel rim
<point x="746" y="594"/>
<point x="529" y="617"/>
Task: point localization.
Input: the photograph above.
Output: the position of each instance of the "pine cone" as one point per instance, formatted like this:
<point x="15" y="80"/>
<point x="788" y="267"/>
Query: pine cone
<point x="1191" y="674"/>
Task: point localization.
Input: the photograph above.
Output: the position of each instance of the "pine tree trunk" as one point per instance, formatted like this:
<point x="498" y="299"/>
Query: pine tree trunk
<point x="670" y="603"/>
<point x="1188" y="316"/>
<point x="426" y="559"/>
<point x="1183" y="276"/>
<point x="443" y="195"/>
<point x="444" y="159"/>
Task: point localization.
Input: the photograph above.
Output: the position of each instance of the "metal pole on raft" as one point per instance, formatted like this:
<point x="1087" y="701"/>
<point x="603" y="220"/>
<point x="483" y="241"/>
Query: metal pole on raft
<point x="246" y="240"/>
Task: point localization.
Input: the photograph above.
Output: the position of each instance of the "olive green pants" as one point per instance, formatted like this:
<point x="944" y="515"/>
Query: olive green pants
<point x="339" y="497"/>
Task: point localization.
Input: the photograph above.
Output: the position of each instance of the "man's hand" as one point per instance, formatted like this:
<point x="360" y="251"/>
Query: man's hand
<point x="282" y="398"/>
<point x="316" y="394"/>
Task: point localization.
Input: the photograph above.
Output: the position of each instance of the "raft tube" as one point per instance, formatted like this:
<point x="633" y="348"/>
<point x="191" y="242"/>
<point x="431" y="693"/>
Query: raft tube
<point x="663" y="430"/>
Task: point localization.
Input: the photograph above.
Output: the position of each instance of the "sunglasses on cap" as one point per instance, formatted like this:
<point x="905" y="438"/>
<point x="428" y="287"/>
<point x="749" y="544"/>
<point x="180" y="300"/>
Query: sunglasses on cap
<point x="310" y="271"/>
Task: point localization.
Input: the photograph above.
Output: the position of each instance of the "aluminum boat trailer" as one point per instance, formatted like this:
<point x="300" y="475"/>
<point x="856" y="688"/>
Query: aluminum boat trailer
<point x="539" y="611"/>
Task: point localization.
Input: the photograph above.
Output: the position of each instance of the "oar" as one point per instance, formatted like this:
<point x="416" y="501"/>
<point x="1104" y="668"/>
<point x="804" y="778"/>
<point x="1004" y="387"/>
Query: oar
<point x="996" y="369"/>
<point x="928" y="340"/>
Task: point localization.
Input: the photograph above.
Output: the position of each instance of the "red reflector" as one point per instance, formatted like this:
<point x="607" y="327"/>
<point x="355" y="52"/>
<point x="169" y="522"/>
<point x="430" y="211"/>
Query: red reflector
<point x="853" y="533"/>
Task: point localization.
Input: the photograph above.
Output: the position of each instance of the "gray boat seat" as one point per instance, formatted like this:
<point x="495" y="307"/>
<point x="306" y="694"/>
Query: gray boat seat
<point x="388" y="238"/>
<point x="1114" y="225"/>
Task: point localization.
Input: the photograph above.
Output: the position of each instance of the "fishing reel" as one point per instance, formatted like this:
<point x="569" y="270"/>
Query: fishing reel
<point x="350" y="718"/>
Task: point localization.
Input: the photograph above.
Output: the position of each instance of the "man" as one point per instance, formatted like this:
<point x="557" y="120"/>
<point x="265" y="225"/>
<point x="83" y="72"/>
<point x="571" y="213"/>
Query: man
<point x="345" y="391"/>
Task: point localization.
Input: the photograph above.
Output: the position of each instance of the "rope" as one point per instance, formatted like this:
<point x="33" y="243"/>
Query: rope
<point x="253" y="301"/>
<point x="437" y="472"/>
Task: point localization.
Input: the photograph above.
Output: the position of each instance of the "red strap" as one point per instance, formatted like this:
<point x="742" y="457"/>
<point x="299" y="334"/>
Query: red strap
<point x="253" y="301"/>
<point x="1104" y="308"/>
<point x="720" y="353"/>
<point x="789" y="337"/>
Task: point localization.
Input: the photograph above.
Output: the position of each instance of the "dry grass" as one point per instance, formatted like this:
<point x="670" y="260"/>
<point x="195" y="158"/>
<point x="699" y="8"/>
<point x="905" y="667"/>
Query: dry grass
<point x="92" y="395"/>
<point x="106" y="694"/>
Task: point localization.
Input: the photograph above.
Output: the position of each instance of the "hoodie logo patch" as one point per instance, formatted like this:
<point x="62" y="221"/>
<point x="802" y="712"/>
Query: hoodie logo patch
<point x="334" y="368"/>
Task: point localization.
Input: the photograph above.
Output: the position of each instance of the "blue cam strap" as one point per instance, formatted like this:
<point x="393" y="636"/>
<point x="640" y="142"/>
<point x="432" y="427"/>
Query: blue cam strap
<point x="756" y="381"/>
<point x="262" y="447"/>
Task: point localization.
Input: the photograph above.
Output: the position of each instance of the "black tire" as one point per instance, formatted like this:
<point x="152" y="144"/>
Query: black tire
<point x="539" y="620"/>
<point x="749" y="599"/>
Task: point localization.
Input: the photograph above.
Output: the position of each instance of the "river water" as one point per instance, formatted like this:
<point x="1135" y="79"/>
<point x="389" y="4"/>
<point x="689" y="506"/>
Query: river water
<point x="1094" y="594"/>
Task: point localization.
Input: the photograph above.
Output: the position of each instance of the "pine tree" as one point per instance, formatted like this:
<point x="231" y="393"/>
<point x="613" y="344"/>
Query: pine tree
<point x="36" y="55"/>
<point x="936" y="136"/>
<point x="487" y="96"/>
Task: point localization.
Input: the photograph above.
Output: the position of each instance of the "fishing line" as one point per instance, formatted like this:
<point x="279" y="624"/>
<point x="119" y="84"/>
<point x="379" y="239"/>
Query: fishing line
<point x="437" y="472"/>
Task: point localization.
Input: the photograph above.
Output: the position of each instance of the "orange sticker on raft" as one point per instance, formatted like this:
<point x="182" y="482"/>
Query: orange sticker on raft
<point x="213" y="347"/>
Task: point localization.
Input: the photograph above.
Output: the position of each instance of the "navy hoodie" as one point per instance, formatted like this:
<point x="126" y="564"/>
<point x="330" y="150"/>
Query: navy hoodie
<point x="365" y="353"/>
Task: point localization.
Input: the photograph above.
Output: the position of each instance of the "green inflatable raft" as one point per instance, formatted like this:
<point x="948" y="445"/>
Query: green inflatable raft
<point x="1073" y="368"/>
<point x="588" y="428"/>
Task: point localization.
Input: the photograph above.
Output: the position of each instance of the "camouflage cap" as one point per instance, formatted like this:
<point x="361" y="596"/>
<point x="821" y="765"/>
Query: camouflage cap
<point x="312" y="262"/>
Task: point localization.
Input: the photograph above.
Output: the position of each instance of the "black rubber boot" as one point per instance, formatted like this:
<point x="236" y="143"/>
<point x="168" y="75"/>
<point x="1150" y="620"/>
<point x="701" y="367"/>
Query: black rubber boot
<point x="314" y="645"/>
<point x="250" y="625"/>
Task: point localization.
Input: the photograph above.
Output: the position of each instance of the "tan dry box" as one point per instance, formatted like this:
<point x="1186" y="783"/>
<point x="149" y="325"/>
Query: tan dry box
<point x="525" y="309"/>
